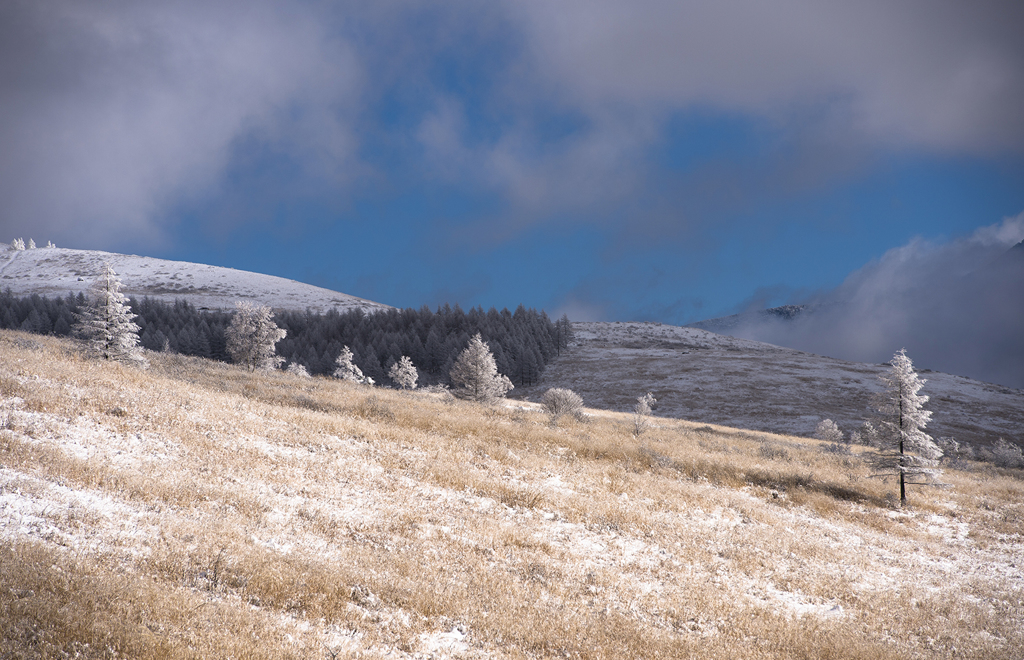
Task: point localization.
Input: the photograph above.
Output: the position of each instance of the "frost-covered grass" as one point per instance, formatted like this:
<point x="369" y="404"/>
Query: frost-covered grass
<point x="197" y="510"/>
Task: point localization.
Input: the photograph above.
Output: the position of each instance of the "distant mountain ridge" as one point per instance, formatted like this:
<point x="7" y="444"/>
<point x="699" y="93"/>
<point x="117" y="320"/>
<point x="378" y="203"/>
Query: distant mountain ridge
<point x="50" y="271"/>
<point x="725" y="324"/>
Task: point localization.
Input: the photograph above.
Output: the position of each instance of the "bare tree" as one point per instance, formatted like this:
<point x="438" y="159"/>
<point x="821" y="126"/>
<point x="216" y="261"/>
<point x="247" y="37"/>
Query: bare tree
<point x="107" y="323"/>
<point x="252" y="337"/>
<point x="475" y="373"/>
<point x="404" y="373"/>
<point x="905" y="450"/>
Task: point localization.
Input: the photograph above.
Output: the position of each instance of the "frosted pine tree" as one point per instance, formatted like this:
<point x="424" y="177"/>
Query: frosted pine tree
<point x="905" y="450"/>
<point x="252" y="337"/>
<point x="347" y="370"/>
<point x="475" y="373"/>
<point x="404" y="373"/>
<point x="106" y="323"/>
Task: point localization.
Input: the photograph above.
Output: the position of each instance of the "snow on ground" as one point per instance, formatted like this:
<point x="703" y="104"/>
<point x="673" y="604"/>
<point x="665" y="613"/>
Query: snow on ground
<point x="717" y="379"/>
<point x="361" y="496"/>
<point x="59" y="271"/>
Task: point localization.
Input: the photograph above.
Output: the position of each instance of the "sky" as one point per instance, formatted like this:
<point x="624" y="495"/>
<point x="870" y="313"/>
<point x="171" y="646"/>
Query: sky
<point x="613" y="160"/>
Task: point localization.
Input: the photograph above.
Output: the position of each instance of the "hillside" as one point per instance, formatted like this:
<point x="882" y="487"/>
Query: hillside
<point x="695" y="374"/>
<point x="59" y="271"/>
<point x="196" y="510"/>
<point x="706" y="377"/>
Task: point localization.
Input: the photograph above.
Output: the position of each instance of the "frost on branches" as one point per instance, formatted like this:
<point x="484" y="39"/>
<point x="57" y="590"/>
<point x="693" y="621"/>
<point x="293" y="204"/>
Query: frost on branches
<point x="828" y="431"/>
<point x="106" y="322"/>
<point x="475" y="373"/>
<point x="404" y="373"/>
<point x="252" y="337"/>
<point x="347" y="370"/>
<point x="905" y="450"/>
<point x="642" y="412"/>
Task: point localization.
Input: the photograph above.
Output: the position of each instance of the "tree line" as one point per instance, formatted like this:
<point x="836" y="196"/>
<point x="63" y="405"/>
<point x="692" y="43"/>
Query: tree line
<point x="523" y="342"/>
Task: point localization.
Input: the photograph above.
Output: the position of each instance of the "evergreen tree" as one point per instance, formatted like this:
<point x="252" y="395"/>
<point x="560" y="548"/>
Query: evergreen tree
<point x="404" y="373"/>
<point x="347" y="370"/>
<point x="106" y="323"/>
<point x="475" y="374"/>
<point x="905" y="450"/>
<point x="252" y="337"/>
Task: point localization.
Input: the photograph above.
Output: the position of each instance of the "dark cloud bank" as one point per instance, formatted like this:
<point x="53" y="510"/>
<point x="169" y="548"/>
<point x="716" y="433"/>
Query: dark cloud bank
<point x="956" y="307"/>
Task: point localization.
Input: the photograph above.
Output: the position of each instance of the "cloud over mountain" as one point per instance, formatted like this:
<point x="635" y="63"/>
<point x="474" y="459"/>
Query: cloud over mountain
<point x="956" y="306"/>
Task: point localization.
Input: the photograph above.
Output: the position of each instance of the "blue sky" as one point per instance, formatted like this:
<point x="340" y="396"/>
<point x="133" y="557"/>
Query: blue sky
<point x="662" y="161"/>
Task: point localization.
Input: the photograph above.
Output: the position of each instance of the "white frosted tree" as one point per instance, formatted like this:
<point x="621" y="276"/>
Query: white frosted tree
<point x="106" y="323"/>
<point x="642" y="412"/>
<point x="404" y="373"/>
<point x="252" y="337"/>
<point x="18" y="244"/>
<point x="828" y="431"/>
<point x="905" y="450"/>
<point x="475" y="373"/>
<point x="346" y="369"/>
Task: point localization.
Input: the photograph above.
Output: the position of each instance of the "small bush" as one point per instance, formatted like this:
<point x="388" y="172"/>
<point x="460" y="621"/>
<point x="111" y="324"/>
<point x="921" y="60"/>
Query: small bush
<point x="562" y="402"/>
<point x="828" y="431"/>
<point x="1007" y="454"/>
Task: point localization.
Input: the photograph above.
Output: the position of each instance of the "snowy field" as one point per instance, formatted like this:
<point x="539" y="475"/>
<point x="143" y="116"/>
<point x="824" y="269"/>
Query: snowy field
<point x="196" y="510"/>
<point x="59" y="271"/>
<point x="705" y="377"/>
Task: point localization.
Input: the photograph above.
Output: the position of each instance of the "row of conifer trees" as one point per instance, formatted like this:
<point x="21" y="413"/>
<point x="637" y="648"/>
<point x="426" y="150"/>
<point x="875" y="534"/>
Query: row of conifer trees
<point x="523" y="342"/>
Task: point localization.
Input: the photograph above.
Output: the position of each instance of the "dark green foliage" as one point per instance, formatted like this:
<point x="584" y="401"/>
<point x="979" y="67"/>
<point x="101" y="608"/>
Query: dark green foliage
<point x="522" y="343"/>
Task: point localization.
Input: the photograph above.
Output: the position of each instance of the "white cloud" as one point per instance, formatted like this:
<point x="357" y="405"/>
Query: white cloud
<point x="113" y="111"/>
<point x="956" y="306"/>
<point x="940" y="75"/>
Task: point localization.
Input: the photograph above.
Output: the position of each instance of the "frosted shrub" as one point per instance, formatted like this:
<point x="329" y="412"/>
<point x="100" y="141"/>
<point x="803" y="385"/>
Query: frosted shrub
<point x="298" y="369"/>
<point x="1007" y="454"/>
<point x="828" y="431"/>
<point x="560" y="401"/>
<point x="868" y="434"/>
<point x="18" y="244"/>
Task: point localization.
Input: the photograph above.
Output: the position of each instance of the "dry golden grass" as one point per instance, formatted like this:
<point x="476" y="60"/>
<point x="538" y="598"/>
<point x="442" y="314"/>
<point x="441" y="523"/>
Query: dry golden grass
<point x="197" y="510"/>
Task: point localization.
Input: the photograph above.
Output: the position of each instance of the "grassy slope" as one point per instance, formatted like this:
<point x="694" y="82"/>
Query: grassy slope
<point x="196" y="510"/>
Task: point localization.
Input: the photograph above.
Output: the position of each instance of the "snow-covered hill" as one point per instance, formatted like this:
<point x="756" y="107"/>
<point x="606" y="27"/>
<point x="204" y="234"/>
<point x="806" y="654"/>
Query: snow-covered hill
<point x="706" y="377"/>
<point x="58" y="271"/>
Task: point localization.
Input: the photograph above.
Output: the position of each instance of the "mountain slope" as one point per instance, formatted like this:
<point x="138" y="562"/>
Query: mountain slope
<point x="707" y="377"/>
<point x="59" y="271"/>
<point x="196" y="510"/>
